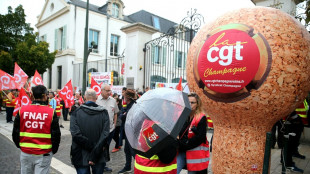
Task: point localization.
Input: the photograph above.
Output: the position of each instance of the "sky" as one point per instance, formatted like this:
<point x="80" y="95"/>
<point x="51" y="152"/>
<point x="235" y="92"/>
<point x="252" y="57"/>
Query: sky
<point x="174" y="10"/>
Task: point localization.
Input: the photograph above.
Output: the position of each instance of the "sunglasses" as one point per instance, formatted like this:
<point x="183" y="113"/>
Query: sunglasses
<point x="193" y="102"/>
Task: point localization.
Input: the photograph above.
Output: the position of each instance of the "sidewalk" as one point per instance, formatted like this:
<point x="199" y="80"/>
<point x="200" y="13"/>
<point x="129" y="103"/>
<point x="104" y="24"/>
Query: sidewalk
<point x="62" y="164"/>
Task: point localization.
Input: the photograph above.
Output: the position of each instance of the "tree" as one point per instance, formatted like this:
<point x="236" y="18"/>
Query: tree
<point x="19" y="44"/>
<point x="32" y="55"/>
<point x="303" y="12"/>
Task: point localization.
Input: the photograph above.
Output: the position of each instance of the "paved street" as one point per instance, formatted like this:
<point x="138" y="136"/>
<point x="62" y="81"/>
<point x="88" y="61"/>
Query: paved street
<point x="9" y="154"/>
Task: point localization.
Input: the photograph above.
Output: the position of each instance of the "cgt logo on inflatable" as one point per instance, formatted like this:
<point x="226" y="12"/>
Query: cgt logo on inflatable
<point x="231" y="62"/>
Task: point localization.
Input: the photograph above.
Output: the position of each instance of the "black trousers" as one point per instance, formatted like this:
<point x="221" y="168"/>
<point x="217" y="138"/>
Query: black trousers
<point x="9" y="113"/>
<point x="65" y="112"/>
<point x="116" y="136"/>
<point x="293" y="141"/>
<point x="277" y="127"/>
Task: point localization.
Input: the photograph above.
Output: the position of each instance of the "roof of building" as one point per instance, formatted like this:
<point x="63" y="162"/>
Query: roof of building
<point x="140" y="16"/>
<point x="147" y="18"/>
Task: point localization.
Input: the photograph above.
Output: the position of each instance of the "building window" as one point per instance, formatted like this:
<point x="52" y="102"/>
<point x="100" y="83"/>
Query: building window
<point x="52" y="7"/>
<point x="115" y="10"/>
<point x="43" y="38"/>
<point x="114" y="45"/>
<point x="156" y="23"/>
<point x="179" y="59"/>
<point x="60" y="38"/>
<point x="59" y="71"/>
<point x="93" y="40"/>
<point x="159" y="55"/>
<point x="181" y="35"/>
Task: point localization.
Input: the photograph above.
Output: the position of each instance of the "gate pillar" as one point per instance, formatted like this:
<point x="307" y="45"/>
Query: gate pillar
<point x="137" y="35"/>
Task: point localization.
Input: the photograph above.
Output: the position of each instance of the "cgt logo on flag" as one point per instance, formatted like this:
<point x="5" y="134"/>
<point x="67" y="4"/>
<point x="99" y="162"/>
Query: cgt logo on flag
<point x="37" y="79"/>
<point x="66" y="94"/>
<point x="21" y="100"/>
<point x="95" y="86"/>
<point x="6" y="81"/>
<point x="20" y="76"/>
<point x="150" y="134"/>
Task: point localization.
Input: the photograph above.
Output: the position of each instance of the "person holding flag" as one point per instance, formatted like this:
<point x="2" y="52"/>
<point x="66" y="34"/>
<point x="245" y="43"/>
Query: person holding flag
<point x="10" y="105"/>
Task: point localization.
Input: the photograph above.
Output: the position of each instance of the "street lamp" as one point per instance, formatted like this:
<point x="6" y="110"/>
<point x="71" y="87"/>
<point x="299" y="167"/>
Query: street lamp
<point x="86" y="51"/>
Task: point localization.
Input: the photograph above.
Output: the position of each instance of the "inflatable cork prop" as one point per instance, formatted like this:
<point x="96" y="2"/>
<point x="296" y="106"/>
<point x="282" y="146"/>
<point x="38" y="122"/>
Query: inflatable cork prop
<point x="251" y="68"/>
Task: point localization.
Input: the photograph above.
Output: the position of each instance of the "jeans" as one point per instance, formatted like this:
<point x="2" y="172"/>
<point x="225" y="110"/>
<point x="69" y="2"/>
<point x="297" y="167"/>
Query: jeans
<point x="96" y="169"/>
<point x="109" y="139"/>
<point x="181" y="161"/>
<point x="129" y="153"/>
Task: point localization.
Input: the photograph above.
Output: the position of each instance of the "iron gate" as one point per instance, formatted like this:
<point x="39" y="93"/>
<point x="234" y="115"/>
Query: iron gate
<point x="165" y="57"/>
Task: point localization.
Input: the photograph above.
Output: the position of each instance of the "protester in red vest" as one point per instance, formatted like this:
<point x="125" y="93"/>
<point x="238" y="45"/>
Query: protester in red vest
<point x="10" y="105"/>
<point x="163" y="162"/>
<point x="36" y="132"/>
<point x="193" y="143"/>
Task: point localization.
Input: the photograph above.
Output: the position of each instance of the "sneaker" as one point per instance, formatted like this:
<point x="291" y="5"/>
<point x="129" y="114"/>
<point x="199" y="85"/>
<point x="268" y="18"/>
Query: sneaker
<point x="11" y="122"/>
<point x="298" y="155"/>
<point x="61" y="126"/>
<point x="295" y="169"/>
<point x="107" y="169"/>
<point x="125" y="171"/>
<point x="115" y="150"/>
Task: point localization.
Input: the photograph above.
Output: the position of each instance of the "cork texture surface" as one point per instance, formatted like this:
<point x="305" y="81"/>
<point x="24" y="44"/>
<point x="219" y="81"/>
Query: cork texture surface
<point x="241" y="126"/>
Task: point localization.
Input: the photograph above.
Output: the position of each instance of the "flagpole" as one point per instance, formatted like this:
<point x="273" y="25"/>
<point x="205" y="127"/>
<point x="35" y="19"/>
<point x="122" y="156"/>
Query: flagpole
<point x="5" y="94"/>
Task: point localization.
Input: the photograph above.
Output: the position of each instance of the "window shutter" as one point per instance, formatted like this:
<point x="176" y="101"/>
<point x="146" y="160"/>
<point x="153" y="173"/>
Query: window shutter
<point x="55" y="40"/>
<point x="45" y="37"/>
<point x="164" y="55"/>
<point x="184" y="59"/>
<point x="64" y="36"/>
<point x="175" y="59"/>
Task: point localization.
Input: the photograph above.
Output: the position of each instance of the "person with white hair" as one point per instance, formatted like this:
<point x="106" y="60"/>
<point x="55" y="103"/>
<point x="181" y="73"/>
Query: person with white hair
<point x="109" y="103"/>
<point x="89" y="126"/>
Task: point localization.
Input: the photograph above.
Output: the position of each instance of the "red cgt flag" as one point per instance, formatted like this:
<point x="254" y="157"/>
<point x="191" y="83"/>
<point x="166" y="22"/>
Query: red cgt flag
<point x="6" y="81"/>
<point x="66" y="93"/>
<point x="95" y="86"/>
<point x="123" y="69"/>
<point x="21" y="100"/>
<point x="37" y="79"/>
<point x="179" y="86"/>
<point x="20" y="76"/>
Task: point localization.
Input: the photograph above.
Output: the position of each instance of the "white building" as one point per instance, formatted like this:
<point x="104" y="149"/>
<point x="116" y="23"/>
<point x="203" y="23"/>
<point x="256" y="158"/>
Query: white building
<point x="62" y="24"/>
<point x="118" y="40"/>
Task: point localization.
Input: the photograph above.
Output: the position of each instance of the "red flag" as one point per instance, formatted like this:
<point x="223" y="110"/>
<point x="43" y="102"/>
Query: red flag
<point x="179" y="86"/>
<point x="20" y="76"/>
<point x="37" y="79"/>
<point x="21" y="100"/>
<point x="6" y="81"/>
<point x="123" y="69"/>
<point x="66" y="93"/>
<point x="95" y="86"/>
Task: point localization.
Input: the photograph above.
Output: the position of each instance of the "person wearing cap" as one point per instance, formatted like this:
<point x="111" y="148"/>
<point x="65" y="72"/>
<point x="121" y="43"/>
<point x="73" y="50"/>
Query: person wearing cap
<point x="36" y="132"/>
<point x="130" y="97"/>
<point x="110" y="105"/>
